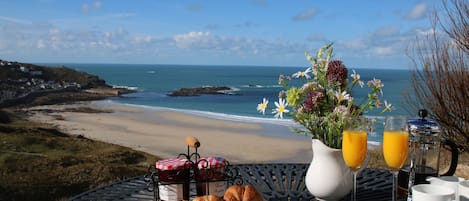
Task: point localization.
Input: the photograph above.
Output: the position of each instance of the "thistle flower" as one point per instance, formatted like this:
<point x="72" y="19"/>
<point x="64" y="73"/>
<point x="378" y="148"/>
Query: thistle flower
<point x="312" y="100"/>
<point x="336" y="72"/>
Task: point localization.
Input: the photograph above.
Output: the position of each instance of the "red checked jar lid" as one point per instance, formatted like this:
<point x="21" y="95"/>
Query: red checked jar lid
<point x="211" y="162"/>
<point x="173" y="170"/>
<point x="171" y="164"/>
<point x="211" y="169"/>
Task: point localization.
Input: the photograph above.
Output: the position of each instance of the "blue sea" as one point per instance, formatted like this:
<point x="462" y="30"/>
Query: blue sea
<point x="250" y="84"/>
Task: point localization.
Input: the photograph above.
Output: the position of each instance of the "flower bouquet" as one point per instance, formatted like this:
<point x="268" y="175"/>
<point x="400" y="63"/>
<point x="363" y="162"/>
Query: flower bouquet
<point x="324" y="102"/>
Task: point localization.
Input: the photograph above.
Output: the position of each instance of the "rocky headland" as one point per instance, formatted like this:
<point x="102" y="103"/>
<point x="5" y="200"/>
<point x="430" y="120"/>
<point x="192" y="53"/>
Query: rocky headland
<point x="29" y="84"/>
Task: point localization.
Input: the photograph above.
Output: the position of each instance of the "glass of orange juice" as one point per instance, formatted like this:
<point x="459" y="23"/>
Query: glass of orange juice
<point x="395" y="146"/>
<point x="354" y="148"/>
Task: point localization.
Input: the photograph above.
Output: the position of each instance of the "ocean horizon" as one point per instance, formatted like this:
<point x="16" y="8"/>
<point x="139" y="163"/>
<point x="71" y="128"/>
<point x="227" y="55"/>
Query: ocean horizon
<point x="250" y="84"/>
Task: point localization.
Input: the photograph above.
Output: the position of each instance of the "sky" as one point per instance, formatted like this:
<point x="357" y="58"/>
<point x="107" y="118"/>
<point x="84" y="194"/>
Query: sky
<point x="365" y="33"/>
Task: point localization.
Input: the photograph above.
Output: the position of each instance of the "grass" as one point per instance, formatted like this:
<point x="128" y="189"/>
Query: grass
<point x="38" y="162"/>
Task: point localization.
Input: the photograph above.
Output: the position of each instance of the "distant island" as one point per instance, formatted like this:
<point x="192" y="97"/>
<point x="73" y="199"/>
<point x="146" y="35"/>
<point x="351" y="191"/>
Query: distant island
<point x="196" y="91"/>
<point x="29" y="84"/>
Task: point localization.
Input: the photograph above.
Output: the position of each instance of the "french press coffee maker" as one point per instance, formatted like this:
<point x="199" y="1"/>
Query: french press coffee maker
<point x="425" y="142"/>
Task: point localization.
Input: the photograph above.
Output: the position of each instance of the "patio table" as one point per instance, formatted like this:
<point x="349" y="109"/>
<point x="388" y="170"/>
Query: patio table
<point x="275" y="181"/>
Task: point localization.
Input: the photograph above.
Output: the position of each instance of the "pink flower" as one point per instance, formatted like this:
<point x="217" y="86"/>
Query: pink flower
<point x="342" y="110"/>
<point x="310" y="86"/>
<point x="281" y="94"/>
<point x="281" y="79"/>
<point x="313" y="99"/>
<point x="376" y="85"/>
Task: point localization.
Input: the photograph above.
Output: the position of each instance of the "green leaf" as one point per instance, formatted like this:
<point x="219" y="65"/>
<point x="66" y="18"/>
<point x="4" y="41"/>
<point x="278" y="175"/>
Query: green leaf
<point x="309" y="58"/>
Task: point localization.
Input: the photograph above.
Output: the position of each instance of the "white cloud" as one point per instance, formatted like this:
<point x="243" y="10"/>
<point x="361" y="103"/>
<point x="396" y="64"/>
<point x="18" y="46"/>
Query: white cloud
<point x="143" y="39"/>
<point x="235" y="45"/>
<point x="387" y="31"/>
<point x="306" y="15"/>
<point x="50" y="42"/>
<point x="384" y="51"/>
<point x="317" y="37"/>
<point x="97" y="4"/>
<point x="247" y="24"/>
<point x="14" y="20"/>
<point x="91" y="7"/>
<point x="418" y="12"/>
<point x="196" y="40"/>
<point x="426" y="32"/>
<point x="383" y="42"/>
<point x="355" y="44"/>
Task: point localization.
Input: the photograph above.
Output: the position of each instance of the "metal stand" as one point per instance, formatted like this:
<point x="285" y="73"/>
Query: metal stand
<point x="196" y="172"/>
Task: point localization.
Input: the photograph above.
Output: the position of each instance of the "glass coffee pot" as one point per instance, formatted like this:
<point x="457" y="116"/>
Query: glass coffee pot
<point x="425" y="141"/>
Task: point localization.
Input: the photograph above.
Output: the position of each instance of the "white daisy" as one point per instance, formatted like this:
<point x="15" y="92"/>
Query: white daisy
<point x="302" y="74"/>
<point x="387" y="106"/>
<point x="341" y="96"/>
<point x="356" y="79"/>
<point x="262" y="106"/>
<point x="281" y="104"/>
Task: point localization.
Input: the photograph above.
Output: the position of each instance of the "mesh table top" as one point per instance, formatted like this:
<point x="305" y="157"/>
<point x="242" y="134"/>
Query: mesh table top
<point x="274" y="181"/>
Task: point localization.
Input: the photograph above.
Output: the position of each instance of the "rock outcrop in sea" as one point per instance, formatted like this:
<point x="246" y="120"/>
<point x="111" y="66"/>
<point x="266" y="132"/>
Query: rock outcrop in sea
<point x="203" y="90"/>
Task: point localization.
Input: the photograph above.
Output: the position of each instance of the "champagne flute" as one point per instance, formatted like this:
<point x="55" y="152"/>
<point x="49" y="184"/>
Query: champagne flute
<point x="395" y="146"/>
<point x="354" y="148"/>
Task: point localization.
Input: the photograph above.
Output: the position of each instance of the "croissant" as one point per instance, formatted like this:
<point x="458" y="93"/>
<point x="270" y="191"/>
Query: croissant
<point x="242" y="193"/>
<point x="207" y="198"/>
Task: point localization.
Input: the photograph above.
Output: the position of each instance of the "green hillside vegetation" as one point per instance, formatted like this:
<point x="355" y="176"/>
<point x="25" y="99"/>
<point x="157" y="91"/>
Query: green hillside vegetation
<point x="38" y="162"/>
<point x="55" y="74"/>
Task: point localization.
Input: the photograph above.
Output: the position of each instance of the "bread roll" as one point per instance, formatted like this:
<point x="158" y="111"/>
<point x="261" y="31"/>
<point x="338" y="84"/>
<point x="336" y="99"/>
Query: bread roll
<point x="242" y="193"/>
<point x="207" y="198"/>
<point x="251" y="194"/>
<point x="234" y="193"/>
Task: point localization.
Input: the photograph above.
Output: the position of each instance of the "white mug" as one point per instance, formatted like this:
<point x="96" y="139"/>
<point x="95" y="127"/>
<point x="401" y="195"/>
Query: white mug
<point x="464" y="190"/>
<point x="448" y="181"/>
<point x="429" y="192"/>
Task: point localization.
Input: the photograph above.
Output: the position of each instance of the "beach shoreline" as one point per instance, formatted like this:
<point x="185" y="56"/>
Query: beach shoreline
<point x="162" y="132"/>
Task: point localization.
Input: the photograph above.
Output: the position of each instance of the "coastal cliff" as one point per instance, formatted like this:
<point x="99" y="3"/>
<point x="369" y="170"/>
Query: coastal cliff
<point x="29" y="84"/>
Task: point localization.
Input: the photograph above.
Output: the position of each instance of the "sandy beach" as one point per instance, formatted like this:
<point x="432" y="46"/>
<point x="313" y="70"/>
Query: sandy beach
<point x="163" y="132"/>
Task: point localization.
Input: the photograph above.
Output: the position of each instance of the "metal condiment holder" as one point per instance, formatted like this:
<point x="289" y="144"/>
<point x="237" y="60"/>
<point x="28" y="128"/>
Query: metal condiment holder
<point x="192" y="168"/>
